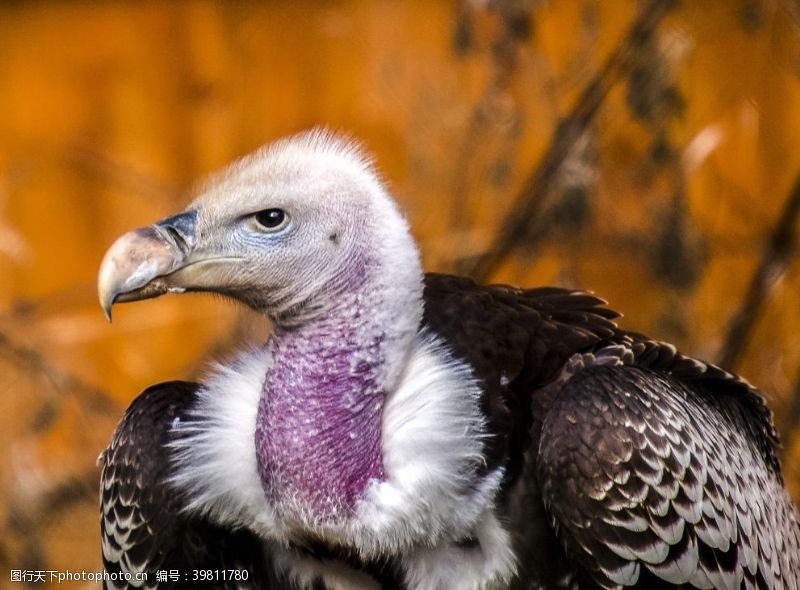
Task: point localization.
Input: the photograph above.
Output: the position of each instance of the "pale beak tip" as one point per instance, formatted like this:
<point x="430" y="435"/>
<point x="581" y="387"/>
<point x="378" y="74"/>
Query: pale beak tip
<point x="106" y="290"/>
<point x="106" y="300"/>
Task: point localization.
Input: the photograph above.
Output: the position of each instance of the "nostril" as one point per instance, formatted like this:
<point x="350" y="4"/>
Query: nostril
<point x="179" y="229"/>
<point x="176" y="236"/>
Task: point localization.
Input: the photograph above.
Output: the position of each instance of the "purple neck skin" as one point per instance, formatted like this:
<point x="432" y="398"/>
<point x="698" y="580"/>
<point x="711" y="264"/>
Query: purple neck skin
<point x="318" y="433"/>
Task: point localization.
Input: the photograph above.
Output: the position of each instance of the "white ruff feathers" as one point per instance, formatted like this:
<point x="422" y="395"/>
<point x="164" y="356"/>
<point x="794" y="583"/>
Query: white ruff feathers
<point x="214" y="454"/>
<point x="490" y="564"/>
<point x="433" y="433"/>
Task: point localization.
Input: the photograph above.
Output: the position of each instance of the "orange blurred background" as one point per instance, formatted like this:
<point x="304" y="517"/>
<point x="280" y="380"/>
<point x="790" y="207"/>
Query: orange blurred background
<point x="664" y="201"/>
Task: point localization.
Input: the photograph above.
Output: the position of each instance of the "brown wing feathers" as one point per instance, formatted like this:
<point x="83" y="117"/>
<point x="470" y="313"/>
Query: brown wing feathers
<point x="143" y="528"/>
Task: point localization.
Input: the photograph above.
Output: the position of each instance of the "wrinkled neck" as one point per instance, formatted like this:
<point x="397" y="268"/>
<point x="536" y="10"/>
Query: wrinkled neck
<point x="318" y="437"/>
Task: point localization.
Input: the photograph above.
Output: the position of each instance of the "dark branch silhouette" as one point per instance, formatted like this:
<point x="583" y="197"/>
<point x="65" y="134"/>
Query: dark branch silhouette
<point x="770" y="270"/>
<point x="532" y="199"/>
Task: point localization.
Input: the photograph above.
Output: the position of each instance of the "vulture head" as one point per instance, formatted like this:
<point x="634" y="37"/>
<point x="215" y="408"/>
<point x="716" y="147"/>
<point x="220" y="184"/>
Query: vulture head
<point x="291" y="230"/>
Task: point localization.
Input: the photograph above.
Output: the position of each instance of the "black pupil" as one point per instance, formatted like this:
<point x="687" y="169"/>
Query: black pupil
<point x="270" y="217"/>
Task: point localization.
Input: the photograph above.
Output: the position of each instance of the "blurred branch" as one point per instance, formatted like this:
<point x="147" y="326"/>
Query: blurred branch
<point x="496" y="110"/>
<point x="29" y="519"/>
<point x="99" y="164"/>
<point x="28" y="309"/>
<point x="532" y="199"/>
<point x="792" y="9"/>
<point x="773" y="265"/>
<point x="58" y="486"/>
<point x="34" y="363"/>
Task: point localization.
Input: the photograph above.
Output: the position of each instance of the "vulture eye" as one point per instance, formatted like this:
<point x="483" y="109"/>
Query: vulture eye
<point x="271" y="219"/>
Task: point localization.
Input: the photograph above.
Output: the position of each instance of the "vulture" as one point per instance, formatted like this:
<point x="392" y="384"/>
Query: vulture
<point x="406" y="430"/>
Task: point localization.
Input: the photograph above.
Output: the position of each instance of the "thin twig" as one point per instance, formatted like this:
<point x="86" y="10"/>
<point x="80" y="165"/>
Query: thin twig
<point x="531" y="200"/>
<point x="773" y="265"/>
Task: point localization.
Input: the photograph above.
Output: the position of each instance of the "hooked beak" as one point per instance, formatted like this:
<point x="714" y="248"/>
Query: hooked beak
<point x="146" y="262"/>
